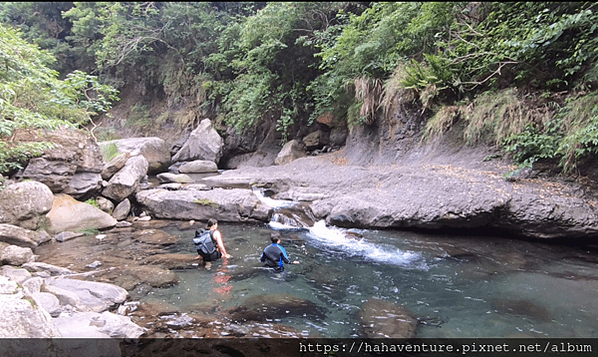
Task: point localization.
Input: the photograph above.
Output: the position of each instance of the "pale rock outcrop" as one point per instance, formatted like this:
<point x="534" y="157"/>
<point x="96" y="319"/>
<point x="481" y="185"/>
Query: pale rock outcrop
<point x="105" y="204"/>
<point x="198" y="167"/>
<point x="93" y="324"/>
<point x="204" y="143"/>
<point x="290" y="152"/>
<point x="68" y="214"/>
<point x="114" y="165"/>
<point x="75" y="153"/>
<point x="169" y="177"/>
<point x="227" y="205"/>
<point x="20" y="317"/>
<point x="153" y="149"/>
<point x="126" y="181"/>
<point x="25" y="204"/>
<point x="15" y="255"/>
<point x="122" y="210"/>
<point x="83" y="184"/>
<point x="90" y="295"/>
<point x="22" y="237"/>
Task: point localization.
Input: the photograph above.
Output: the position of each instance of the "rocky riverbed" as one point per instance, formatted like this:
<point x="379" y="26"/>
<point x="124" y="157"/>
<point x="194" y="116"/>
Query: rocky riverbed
<point x="432" y="188"/>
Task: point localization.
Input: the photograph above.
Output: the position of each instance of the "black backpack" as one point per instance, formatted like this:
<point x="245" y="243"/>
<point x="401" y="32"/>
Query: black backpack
<point x="203" y="241"/>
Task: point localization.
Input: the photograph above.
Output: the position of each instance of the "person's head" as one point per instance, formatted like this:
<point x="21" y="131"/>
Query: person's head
<point x="275" y="237"/>
<point x="212" y="223"/>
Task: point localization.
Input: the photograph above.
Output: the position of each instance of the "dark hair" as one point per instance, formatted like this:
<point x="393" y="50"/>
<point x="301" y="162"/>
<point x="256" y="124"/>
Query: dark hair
<point x="211" y="222"/>
<point x="274" y="237"/>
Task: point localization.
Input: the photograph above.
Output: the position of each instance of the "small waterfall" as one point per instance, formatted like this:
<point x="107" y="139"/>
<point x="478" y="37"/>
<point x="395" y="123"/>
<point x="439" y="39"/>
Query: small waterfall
<point x="291" y="215"/>
<point x="288" y="215"/>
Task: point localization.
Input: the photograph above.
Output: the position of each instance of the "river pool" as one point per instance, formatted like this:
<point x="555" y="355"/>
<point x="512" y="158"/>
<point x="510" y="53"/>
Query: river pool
<point x="455" y="286"/>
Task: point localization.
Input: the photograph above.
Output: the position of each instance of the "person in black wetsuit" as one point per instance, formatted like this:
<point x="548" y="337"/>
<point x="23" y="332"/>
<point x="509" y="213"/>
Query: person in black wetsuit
<point x="274" y="255"/>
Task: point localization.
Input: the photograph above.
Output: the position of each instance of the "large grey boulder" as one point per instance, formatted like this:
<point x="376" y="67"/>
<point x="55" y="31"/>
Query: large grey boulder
<point x="46" y="269"/>
<point x="53" y="172"/>
<point x="169" y="177"/>
<point x="22" y="237"/>
<point x="316" y="140"/>
<point x="122" y="210"/>
<point x="75" y="151"/>
<point x="25" y="204"/>
<point x="290" y="152"/>
<point x="198" y="167"/>
<point x="91" y="296"/>
<point x="14" y="255"/>
<point x="153" y="149"/>
<point x="204" y="143"/>
<point x="115" y="164"/>
<point x="126" y="181"/>
<point x="68" y="214"/>
<point x="230" y="205"/>
<point x="83" y="184"/>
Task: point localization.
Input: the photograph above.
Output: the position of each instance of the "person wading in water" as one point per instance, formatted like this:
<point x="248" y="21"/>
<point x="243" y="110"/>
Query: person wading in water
<point x="220" y="250"/>
<point x="274" y="255"/>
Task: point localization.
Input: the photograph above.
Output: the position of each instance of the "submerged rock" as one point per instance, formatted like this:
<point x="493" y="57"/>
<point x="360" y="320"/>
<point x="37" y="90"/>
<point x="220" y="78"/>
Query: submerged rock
<point x="521" y="307"/>
<point x="382" y="318"/>
<point x="273" y="306"/>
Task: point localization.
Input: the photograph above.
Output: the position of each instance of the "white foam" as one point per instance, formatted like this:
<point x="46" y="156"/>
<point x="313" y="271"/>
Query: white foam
<point x="335" y="238"/>
<point x="283" y="227"/>
<point x="270" y="202"/>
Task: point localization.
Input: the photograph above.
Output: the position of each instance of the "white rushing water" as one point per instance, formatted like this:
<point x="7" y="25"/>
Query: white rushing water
<point x="337" y="239"/>
<point x="270" y="202"/>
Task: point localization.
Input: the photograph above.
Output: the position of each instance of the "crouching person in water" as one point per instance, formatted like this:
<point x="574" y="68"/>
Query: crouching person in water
<point x="274" y="255"/>
<point x="220" y="249"/>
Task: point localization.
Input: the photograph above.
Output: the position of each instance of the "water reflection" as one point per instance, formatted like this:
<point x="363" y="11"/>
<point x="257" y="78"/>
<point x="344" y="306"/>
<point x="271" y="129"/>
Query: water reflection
<point x="221" y="280"/>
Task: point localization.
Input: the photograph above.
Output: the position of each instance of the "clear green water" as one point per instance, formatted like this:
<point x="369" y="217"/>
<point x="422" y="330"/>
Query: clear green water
<point x="455" y="286"/>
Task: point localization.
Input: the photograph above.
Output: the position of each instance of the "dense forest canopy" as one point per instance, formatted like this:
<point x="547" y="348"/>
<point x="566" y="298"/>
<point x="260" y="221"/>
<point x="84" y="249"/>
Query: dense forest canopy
<point x="519" y="75"/>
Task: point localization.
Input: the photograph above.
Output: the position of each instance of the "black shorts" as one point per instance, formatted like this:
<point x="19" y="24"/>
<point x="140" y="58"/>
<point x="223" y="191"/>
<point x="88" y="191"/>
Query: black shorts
<point x="210" y="257"/>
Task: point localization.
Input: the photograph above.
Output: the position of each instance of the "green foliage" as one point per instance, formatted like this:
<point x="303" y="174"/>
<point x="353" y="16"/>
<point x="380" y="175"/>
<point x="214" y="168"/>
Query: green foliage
<point x="109" y="151"/>
<point x="33" y="97"/>
<point x="92" y="202"/>
<point x="532" y="145"/>
<point x="139" y="116"/>
<point x="14" y="156"/>
<point x="539" y="44"/>
<point x="571" y="134"/>
<point x="373" y="43"/>
<point x="291" y="62"/>
<point x="579" y="119"/>
<point x="41" y="23"/>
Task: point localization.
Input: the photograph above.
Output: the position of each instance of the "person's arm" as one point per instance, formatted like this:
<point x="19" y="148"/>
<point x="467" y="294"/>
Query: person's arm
<point x="284" y="255"/>
<point x="218" y="238"/>
<point x="263" y="257"/>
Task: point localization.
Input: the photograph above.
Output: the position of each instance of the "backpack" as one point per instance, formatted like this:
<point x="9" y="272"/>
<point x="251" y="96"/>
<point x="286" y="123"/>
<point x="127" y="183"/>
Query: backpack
<point x="203" y="241"/>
